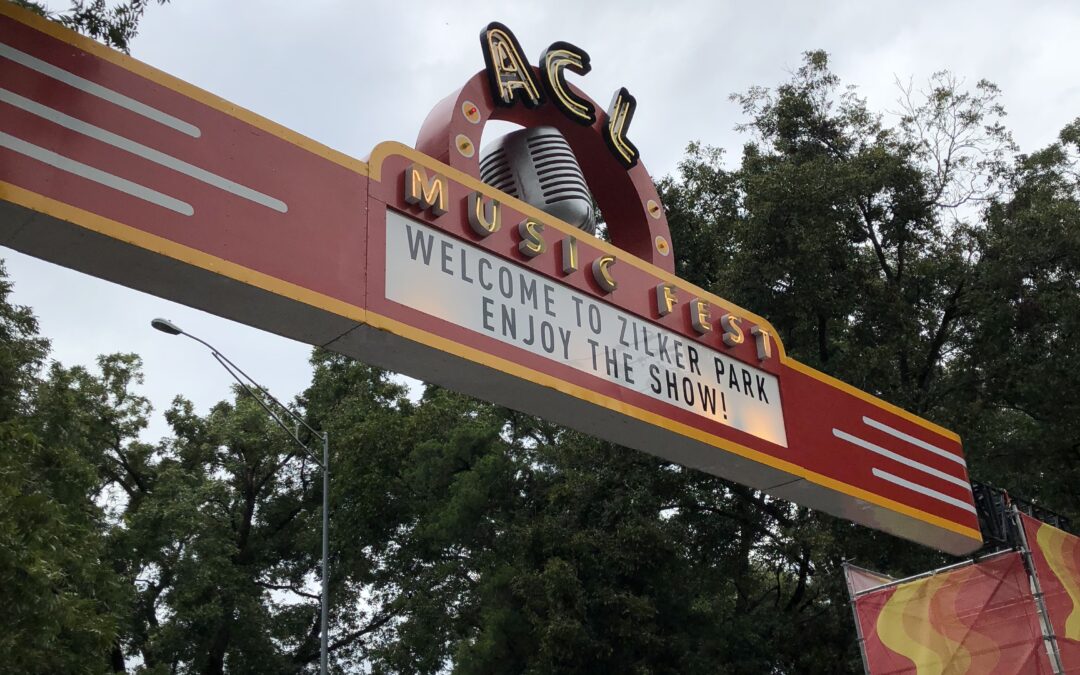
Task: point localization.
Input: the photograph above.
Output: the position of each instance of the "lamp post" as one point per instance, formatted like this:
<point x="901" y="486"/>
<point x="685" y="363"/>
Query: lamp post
<point x="247" y="382"/>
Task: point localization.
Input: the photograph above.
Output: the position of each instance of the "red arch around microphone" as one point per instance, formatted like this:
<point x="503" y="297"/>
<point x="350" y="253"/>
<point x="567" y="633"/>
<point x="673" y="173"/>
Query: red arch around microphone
<point x="627" y="197"/>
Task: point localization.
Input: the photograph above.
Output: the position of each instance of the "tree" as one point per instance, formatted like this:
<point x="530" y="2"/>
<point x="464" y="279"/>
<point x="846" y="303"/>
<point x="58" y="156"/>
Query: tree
<point x="1021" y="358"/>
<point x="222" y="540"/>
<point x="63" y="603"/>
<point x="114" y="24"/>
<point x="868" y="245"/>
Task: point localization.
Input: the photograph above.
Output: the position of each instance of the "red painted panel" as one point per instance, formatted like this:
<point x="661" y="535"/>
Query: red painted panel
<point x="1056" y="556"/>
<point x="980" y="619"/>
<point x="314" y="244"/>
<point x="813" y="410"/>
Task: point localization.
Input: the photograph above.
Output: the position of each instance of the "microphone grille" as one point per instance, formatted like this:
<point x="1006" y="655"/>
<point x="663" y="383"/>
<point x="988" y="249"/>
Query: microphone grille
<point x="537" y="166"/>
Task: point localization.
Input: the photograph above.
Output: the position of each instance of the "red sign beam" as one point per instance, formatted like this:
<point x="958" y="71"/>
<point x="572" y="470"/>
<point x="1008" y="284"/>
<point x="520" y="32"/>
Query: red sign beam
<point x="115" y="169"/>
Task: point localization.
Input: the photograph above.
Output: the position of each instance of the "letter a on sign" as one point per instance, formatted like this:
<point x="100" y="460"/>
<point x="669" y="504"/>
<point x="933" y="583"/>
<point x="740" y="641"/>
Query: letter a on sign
<point x="510" y="75"/>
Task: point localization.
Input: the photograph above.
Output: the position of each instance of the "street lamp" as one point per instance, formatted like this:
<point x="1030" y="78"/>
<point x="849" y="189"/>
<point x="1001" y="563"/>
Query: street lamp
<point x="244" y="379"/>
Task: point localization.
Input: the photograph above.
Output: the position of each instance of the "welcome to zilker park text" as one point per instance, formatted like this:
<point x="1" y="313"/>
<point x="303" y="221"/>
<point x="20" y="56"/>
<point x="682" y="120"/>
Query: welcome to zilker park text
<point x="468" y="286"/>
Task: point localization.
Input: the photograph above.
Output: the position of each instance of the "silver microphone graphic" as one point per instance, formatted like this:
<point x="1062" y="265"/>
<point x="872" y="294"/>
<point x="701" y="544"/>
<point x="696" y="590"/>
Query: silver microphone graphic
<point x="537" y="166"/>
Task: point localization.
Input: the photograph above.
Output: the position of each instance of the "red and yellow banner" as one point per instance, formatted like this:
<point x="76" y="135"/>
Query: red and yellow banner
<point x="1056" y="556"/>
<point x="980" y="619"/>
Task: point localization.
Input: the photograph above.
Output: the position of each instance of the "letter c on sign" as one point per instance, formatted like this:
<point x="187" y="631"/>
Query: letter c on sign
<point x="601" y="271"/>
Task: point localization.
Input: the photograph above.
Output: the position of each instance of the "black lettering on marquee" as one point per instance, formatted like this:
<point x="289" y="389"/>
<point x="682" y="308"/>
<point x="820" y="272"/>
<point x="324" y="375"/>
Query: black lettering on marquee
<point x="623" y="323"/>
<point x="594" y="318"/>
<point x="628" y="368"/>
<point x="532" y="333"/>
<point x="488" y="315"/>
<point x="611" y="361"/>
<point x="484" y="283"/>
<point x="662" y="341"/>
<point x="465" y="267"/>
<point x="547" y="336"/>
<point x="419" y="242"/>
<point x="688" y="391"/>
<point x="594" y="344"/>
<point x="672" y="382"/>
<point x="509" y="322"/>
<point x="549" y="300"/>
<point x="528" y="292"/>
<point x="692" y="357"/>
<point x="446" y="257"/>
<point x="707" y="396"/>
<point x="506" y="282"/>
<point x="564" y="337"/>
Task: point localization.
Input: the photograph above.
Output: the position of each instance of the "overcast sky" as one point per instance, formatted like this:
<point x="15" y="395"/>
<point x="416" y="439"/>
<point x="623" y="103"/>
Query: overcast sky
<point x="351" y="74"/>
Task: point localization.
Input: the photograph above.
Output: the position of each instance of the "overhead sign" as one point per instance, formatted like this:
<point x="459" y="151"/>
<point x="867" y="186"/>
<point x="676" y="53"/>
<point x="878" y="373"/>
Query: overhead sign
<point x="465" y="285"/>
<point x="409" y="261"/>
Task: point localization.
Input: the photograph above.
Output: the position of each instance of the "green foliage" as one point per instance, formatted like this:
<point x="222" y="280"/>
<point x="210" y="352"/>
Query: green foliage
<point x="62" y="600"/>
<point x="1023" y="354"/>
<point x="916" y="261"/>
<point x="113" y="23"/>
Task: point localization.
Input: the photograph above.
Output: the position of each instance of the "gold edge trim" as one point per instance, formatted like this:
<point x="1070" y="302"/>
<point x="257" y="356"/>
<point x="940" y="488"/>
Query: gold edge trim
<point x="160" y="245"/>
<point x="55" y="30"/>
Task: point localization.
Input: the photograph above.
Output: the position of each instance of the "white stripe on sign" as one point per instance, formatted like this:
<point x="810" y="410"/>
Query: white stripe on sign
<point x="914" y="441"/>
<point x="95" y="89"/>
<point x="923" y="490"/>
<point x="843" y="435"/>
<point x="97" y="175"/>
<point x="141" y="150"/>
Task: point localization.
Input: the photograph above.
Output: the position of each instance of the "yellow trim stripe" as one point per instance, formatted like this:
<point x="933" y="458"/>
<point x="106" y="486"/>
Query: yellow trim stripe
<point x="55" y="30"/>
<point x="390" y="148"/>
<point x="150" y="242"/>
